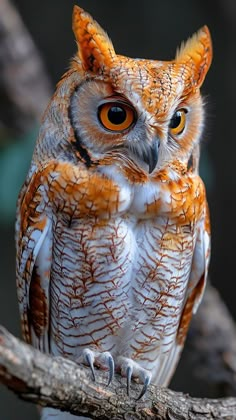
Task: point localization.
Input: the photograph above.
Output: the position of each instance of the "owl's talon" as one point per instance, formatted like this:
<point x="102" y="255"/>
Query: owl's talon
<point x="129" y="368"/>
<point x="129" y="375"/>
<point x="111" y="369"/>
<point x="100" y="359"/>
<point x="90" y="361"/>
<point x="145" y="386"/>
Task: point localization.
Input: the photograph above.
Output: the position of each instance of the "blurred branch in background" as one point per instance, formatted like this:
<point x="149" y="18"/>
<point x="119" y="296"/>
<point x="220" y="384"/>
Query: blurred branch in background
<point x="24" y="84"/>
<point x="24" y="92"/>
<point x="60" y="383"/>
<point x="211" y="345"/>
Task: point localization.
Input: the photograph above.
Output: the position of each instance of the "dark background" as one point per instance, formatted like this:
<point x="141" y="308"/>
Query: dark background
<point x="147" y="29"/>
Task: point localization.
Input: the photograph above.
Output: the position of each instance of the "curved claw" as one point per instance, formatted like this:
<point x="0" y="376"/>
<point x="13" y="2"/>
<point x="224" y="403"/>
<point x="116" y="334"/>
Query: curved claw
<point x="129" y="372"/>
<point x="111" y="369"/>
<point x="145" y="386"/>
<point x="90" y="361"/>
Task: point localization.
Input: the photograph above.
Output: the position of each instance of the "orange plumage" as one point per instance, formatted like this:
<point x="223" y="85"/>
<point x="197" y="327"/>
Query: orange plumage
<point x="113" y="236"/>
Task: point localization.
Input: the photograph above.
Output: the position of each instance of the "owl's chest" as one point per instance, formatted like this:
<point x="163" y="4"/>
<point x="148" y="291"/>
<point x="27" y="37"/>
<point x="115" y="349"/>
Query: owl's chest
<point x="111" y="278"/>
<point x="120" y="262"/>
<point x="119" y="269"/>
<point x="115" y="241"/>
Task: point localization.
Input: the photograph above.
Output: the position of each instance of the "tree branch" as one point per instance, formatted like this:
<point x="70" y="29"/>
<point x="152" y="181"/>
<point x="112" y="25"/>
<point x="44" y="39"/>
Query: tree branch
<point x="24" y="84"/>
<point x="211" y="344"/>
<point x="60" y="383"/>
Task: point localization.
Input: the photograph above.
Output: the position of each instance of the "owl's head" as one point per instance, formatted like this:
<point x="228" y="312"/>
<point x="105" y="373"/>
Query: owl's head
<point x="107" y="105"/>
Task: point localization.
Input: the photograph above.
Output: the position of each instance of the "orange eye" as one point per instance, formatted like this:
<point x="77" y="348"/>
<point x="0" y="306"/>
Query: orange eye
<point x="177" y="122"/>
<point x="116" y="116"/>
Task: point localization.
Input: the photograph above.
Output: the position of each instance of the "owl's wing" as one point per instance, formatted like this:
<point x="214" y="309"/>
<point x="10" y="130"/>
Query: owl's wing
<point x="194" y="294"/>
<point x="34" y="245"/>
<point x="199" y="269"/>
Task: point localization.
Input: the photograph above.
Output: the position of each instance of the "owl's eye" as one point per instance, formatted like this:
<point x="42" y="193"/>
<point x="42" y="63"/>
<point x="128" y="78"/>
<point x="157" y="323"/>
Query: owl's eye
<point x="116" y="116"/>
<point x="178" y="121"/>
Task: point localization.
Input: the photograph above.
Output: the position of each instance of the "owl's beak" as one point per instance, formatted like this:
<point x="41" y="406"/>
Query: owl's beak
<point x="151" y="155"/>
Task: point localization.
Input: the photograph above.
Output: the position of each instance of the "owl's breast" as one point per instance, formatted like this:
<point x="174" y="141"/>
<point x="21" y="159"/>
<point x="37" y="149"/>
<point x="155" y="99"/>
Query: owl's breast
<point x="117" y="285"/>
<point x="119" y="270"/>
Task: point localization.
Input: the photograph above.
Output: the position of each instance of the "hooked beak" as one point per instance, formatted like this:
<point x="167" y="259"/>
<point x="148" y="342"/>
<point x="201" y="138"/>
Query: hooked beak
<point x="150" y="155"/>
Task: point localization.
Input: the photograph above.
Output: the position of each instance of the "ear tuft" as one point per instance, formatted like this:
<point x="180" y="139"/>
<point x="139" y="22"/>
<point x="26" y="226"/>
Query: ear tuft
<point x="197" y="52"/>
<point x="95" y="49"/>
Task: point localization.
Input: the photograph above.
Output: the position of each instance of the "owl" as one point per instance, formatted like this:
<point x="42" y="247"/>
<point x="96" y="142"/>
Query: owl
<point x="113" y="232"/>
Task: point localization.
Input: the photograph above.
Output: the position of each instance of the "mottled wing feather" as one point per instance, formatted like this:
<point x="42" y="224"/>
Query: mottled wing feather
<point x="34" y="243"/>
<point x="201" y="259"/>
<point x="194" y="294"/>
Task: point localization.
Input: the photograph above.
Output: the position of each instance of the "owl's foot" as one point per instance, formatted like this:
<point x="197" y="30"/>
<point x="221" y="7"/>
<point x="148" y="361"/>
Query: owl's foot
<point x="130" y="368"/>
<point x="127" y="367"/>
<point x="104" y="360"/>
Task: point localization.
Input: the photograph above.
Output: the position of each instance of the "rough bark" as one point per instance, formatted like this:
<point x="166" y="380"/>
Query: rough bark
<point x="211" y="344"/>
<point x="60" y="383"/>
